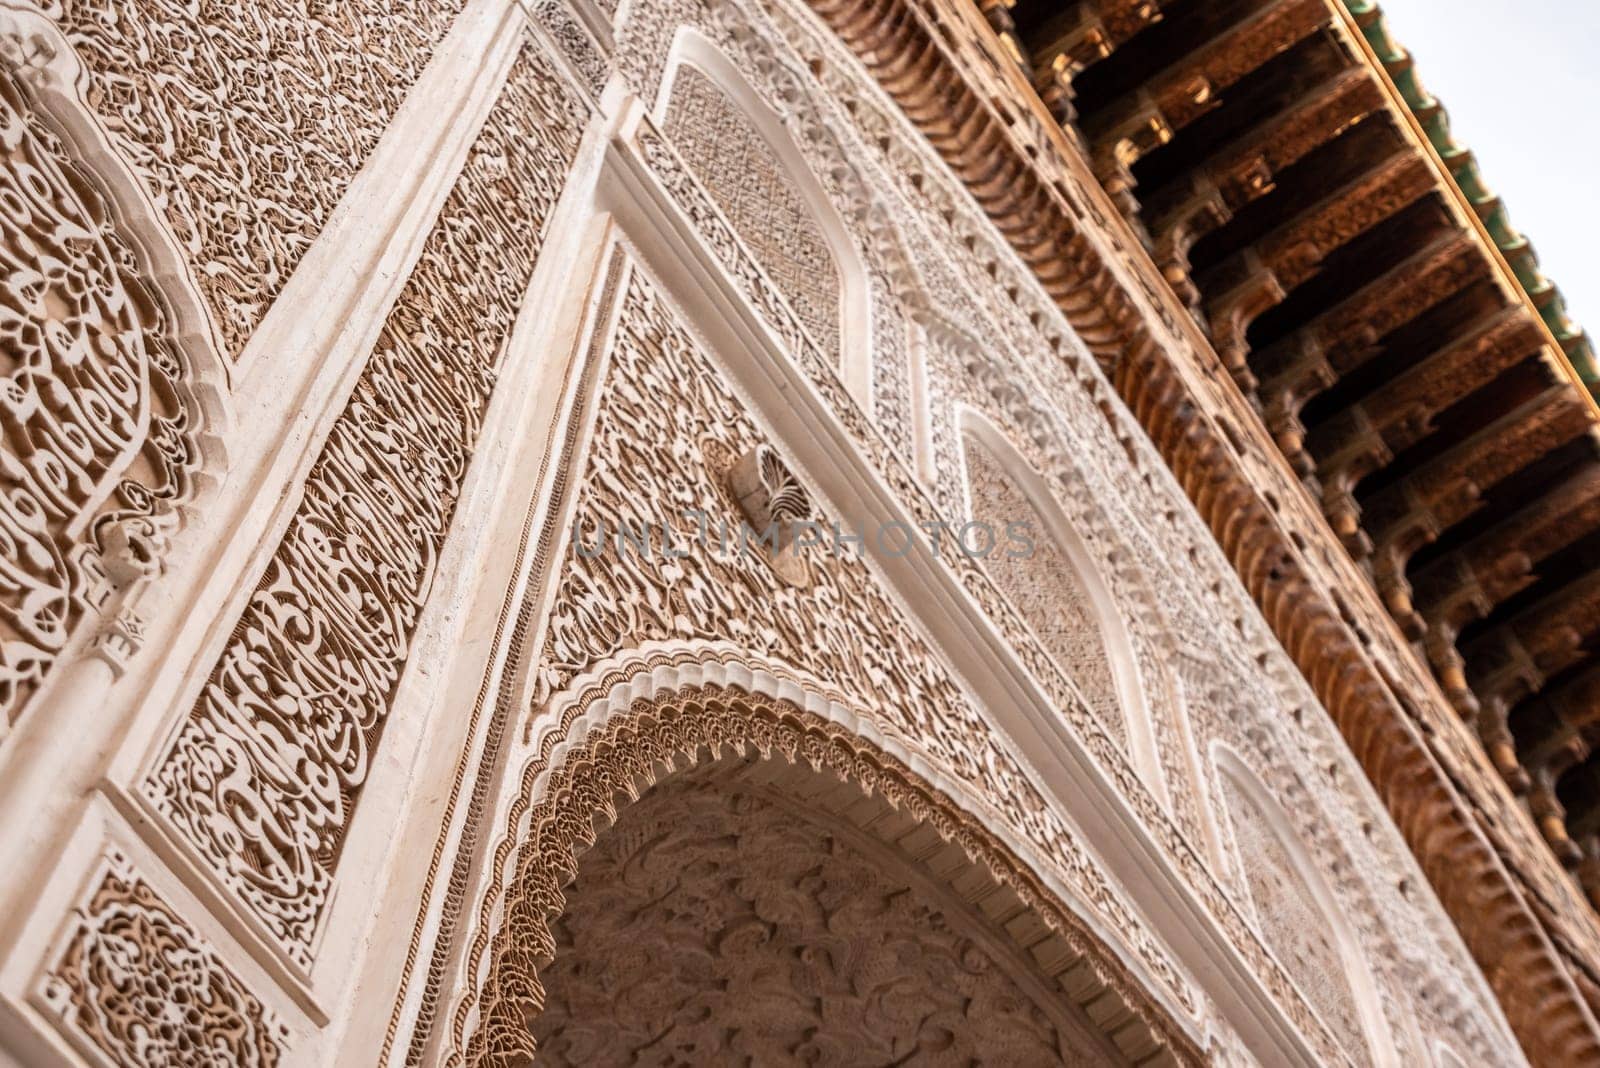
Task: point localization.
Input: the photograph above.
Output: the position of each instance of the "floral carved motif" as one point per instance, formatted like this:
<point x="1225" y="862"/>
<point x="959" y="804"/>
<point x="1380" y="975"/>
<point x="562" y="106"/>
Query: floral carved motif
<point x="263" y="777"/>
<point x="247" y="121"/>
<point x="718" y="922"/>
<point x="99" y="422"/>
<point x="135" y="981"/>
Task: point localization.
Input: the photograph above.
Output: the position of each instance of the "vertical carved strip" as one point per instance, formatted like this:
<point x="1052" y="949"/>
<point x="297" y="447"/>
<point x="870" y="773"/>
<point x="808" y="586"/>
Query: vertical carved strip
<point x="264" y="776"/>
<point x="136" y="982"/>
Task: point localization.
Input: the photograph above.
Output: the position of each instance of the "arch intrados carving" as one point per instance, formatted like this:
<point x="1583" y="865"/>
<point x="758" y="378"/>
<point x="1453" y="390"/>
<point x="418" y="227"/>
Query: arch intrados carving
<point x="693" y="48"/>
<point x="607" y="740"/>
<point x="1358" y="973"/>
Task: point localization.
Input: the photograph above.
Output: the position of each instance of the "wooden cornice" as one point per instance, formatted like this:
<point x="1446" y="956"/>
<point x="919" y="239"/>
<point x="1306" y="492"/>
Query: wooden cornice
<point x="1115" y="299"/>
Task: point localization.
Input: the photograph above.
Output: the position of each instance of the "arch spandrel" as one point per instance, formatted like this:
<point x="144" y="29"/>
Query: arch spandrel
<point x="113" y="392"/>
<point x="719" y="616"/>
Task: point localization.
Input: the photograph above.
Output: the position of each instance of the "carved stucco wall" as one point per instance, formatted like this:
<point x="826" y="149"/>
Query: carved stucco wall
<point x="250" y="785"/>
<point x="141" y="987"/>
<point x="1295" y="925"/>
<point x="263" y="778"/>
<point x="100" y="432"/>
<point x="248" y="124"/>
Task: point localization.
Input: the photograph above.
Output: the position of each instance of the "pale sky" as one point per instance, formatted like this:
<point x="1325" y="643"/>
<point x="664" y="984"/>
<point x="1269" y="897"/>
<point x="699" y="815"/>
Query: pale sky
<point x="1521" y="81"/>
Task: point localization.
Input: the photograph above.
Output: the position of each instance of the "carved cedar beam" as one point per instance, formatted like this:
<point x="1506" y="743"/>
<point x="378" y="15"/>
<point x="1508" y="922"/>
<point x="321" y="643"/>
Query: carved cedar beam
<point x="1515" y="661"/>
<point x="1366" y="436"/>
<point x="1542" y="1002"/>
<point x="1247" y="170"/>
<point x="1250" y="282"/>
<point x="1568" y="710"/>
<point x="1078" y="38"/>
<point x="1471" y="582"/>
<point x="1563" y="738"/>
<point x="1344" y="338"/>
<point x="1518" y="657"/>
<point x="1414" y="511"/>
<point x="1150" y="116"/>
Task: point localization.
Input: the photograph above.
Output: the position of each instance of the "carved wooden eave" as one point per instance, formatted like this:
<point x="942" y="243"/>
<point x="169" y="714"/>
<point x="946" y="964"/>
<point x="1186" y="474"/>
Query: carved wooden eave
<point x="1518" y="912"/>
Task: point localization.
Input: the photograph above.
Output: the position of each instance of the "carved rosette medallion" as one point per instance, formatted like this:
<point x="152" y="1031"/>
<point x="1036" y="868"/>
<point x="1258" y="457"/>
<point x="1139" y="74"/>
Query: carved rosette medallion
<point x="136" y="983"/>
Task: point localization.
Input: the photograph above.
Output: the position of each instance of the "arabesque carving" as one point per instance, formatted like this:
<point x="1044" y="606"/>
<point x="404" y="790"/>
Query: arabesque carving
<point x="264" y="775"/>
<point x="136" y="982"/>
<point x="647" y="436"/>
<point x="99" y="420"/>
<point x="588" y="776"/>
<point x="1291" y="920"/>
<point x="1042" y="582"/>
<point x="248" y="121"/>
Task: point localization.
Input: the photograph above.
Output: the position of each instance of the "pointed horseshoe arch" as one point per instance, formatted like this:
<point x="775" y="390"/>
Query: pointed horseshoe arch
<point x="664" y="716"/>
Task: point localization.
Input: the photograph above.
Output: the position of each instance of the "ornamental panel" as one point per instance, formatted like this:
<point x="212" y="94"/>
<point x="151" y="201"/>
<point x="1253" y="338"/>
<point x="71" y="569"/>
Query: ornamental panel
<point x="99" y="424"/>
<point x="137" y="984"/>
<point x="719" y="922"/>
<point x="247" y="121"/>
<point x="263" y="777"/>
<point x="753" y="188"/>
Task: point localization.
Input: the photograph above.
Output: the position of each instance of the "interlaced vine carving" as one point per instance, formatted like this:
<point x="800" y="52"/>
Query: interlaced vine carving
<point x="136" y="981"/>
<point x="247" y="121"/>
<point x="263" y="777"/>
<point x="1043" y="584"/>
<point x="99" y="422"/>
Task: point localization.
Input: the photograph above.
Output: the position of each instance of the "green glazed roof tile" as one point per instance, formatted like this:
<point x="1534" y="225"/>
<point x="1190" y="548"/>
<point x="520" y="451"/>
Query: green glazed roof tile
<point x="1464" y="169"/>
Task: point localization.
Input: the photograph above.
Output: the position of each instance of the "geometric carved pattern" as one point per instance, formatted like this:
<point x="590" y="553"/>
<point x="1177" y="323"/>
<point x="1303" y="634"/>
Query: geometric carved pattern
<point x="718" y="923"/>
<point x="264" y="776"/>
<point x="1043" y="585"/>
<point x="246" y="121"/>
<point x="138" y="983"/>
<point x="97" y="420"/>
<point x="1291" y="920"/>
<point x="753" y="188"/>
